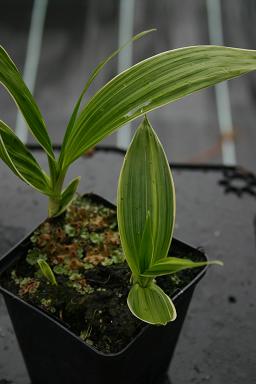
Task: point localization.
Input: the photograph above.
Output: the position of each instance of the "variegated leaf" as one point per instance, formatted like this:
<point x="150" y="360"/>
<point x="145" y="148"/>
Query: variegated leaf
<point x="150" y="84"/>
<point x="15" y="154"/>
<point x="11" y="79"/>
<point x="95" y="73"/>
<point x="151" y="304"/>
<point x="170" y="265"/>
<point x="145" y="200"/>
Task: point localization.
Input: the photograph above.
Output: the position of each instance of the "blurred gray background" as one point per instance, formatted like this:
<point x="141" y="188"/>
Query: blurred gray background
<point x="77" y="34"/>
<point x="218" y="341"/>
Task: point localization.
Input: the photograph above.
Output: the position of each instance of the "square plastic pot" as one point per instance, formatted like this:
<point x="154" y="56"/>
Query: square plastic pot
<point x="55" y="355"/>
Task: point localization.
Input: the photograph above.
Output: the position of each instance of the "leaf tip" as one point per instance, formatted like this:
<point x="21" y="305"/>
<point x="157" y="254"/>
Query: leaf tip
<point x="216" y="262"/>
<point x="144" y="33"/>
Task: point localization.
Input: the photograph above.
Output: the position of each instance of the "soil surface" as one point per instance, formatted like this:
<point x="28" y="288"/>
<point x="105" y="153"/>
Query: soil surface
<point x="87" y="281"/>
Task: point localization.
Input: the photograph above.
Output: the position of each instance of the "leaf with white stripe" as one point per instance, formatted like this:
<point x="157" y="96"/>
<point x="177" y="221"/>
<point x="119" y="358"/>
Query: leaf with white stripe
<point x="95" y="73"/>
<point x="169" y="265"/>
<point x="68" y="195"/>
<point x="151" y="83"/>
<point x="15" y="154"/>
<point x="151" y="304"/>
<point x="11" y="79"/>
<point x="145" y="190"/>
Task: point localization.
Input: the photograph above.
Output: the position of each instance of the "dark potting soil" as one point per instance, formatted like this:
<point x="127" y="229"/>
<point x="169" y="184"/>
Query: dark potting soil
<point x="83" y="249"/>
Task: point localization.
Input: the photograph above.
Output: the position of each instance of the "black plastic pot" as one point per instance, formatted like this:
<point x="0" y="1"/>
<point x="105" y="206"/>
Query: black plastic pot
<point x="54" y="355"/>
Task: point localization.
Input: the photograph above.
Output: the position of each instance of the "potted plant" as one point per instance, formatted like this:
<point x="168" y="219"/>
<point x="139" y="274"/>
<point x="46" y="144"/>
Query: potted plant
<point x="49" y="260"/>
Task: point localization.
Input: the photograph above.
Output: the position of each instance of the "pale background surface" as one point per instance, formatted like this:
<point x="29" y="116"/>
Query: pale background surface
<point x="79" y="34"/>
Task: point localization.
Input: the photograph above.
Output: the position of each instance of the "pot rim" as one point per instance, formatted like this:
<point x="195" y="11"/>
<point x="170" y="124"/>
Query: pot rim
<point x="4" y="264"/>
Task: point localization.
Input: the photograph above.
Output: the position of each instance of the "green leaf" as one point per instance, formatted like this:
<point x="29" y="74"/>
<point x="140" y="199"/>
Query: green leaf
<point x="170" y="265"/>
<point x="145" y="185"/>
<point x="151" y="304"/>
<point x="14" y="153"/>
<point x="47" y="271"/>
<point x="11" y="79"/>
<point x="146" y="245"/>
<point x="95" y="73"/>
<point x="150" y="84"/>
<point x="68" y="195"/>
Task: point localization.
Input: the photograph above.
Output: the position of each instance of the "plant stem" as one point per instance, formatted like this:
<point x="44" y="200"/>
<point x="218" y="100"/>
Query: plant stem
<point x="142" y="281"/>
<point x="53" y="206"/>
<point x="57" y="179"/>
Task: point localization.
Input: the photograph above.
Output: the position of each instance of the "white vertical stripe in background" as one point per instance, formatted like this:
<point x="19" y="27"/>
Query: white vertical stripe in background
<point x="32" y="58"/>
<point x="221" y="90"/>
<point x="126" y="19"/>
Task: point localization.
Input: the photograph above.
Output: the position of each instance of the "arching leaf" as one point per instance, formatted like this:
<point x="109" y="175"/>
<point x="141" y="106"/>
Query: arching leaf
<point x="95" y="73"/>
<point x="170" y="265"/>
<point x="150" y="84"/>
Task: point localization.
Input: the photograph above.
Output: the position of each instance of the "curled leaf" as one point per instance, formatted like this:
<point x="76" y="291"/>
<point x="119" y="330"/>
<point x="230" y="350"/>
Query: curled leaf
<point x="151" y="304"/>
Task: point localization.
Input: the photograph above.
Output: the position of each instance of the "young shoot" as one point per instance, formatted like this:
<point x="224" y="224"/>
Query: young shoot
<point x="146" y="214"/>
<point x="47" y="271"/>
<point x="151" y="83"/>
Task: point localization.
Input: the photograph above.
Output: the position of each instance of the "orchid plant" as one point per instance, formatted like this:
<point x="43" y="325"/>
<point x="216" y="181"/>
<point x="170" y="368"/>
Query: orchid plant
<point x="146" y="225"/>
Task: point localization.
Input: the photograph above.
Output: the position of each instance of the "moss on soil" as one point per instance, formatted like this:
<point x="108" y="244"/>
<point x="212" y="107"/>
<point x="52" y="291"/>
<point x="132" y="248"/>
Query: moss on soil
<point x="83" y="249"/>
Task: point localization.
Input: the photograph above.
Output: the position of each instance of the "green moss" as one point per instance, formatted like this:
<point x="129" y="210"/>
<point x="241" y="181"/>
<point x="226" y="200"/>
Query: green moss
<point x="47" y="304"/>
<point x="34" y="255"/>
<point x="61" y="270"/>
<point x="28" y="286"/>
<point x="96" y="238"/>
<point x="84" y="234"/>
<point x="14" y="277"/>
<point x="69" y="230"/>
<point x="88" y="266"/>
